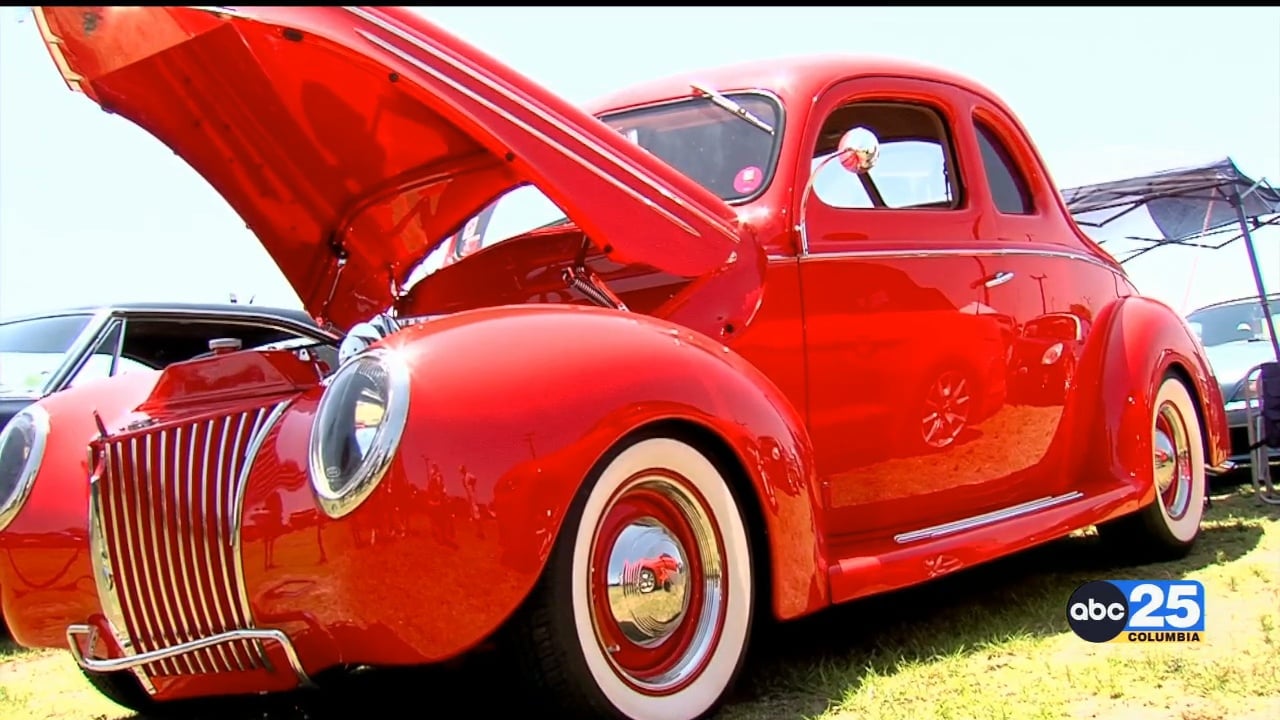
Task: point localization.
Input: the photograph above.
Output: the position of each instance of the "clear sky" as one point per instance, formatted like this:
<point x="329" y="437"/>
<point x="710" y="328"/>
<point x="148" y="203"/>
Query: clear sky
<point x="93" y="209"/>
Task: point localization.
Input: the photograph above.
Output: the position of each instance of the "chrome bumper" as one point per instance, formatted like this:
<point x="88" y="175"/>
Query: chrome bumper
<point x="75" y="632"/>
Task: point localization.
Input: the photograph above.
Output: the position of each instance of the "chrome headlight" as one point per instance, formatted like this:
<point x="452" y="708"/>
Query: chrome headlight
<point x="22" y="444"/>
<point x="357" y="429"/>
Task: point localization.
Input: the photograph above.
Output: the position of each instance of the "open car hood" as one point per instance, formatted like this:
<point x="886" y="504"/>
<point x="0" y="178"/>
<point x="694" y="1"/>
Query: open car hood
<point x="354" y="140"/>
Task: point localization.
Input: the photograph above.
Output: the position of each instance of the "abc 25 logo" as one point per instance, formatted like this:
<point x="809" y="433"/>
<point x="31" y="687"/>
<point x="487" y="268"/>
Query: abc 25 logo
<point x="1137" y="611"/>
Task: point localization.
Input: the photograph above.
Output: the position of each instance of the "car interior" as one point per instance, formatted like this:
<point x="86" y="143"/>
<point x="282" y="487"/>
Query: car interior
<point x="156" y="343"/>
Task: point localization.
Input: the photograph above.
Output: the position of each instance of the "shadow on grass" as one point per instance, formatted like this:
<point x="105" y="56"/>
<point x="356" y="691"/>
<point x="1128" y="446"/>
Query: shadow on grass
<point x="1023" y="596"/>
<point x="800" y="668"/>
<point x="8" y="647"/>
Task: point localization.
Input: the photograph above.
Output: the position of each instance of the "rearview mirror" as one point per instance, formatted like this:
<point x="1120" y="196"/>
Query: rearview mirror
<point x="858" y="150"/>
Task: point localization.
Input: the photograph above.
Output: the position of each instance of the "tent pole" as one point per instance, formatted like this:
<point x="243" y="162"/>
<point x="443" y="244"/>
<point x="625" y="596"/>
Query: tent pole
<point x="1238" y="204"/>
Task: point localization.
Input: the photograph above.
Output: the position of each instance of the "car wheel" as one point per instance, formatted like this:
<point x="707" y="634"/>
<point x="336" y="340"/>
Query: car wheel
<point x="646" y="582"/>
<point x="1168" y="527"/>
<point x="598" y="644"/>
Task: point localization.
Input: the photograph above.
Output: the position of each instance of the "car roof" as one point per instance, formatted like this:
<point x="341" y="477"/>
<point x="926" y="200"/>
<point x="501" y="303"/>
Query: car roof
<point x="1236" y="301"/>
<point x="794" y="79"/>
<point x="146" y="308"/>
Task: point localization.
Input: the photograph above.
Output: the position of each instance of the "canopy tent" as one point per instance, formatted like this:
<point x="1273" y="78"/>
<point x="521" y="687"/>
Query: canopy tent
<point x="1188" y="206"/>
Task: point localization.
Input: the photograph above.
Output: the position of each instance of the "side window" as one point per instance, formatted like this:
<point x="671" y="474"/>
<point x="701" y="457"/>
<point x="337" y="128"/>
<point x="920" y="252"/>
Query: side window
<point x="916" y="167"/>
<point x="1009" y="188"/>
<point x="104" y="361"/>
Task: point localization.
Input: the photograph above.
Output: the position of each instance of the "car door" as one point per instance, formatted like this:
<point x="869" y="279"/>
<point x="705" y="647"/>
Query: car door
<point x="910" y="315"/>
<point x="1072" y="286"/>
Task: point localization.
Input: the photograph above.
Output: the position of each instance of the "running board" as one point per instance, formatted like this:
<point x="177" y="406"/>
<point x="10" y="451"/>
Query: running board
<point x="977" y="521"/>
<point x="921" y="555"/>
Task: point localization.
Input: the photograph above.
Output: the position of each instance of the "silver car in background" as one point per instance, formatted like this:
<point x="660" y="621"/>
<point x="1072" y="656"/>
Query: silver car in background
<point x="1236" y="338"/>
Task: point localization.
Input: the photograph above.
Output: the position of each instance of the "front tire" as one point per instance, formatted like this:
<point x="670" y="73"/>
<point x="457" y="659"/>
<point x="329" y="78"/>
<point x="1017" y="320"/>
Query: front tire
<point x="123" y="689"/>
<point x="599" y="646"/>
<point x="1168" y="528"/>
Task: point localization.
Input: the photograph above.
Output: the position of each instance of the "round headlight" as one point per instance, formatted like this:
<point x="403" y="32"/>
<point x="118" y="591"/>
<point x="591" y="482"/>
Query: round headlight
<point x="21" y="449"/>
<point x="357" y="429"/>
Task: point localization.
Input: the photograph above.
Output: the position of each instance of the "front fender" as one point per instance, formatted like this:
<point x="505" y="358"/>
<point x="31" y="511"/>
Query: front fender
<point x="1142" y="339"/>
<point x="46" y="579"/>
<point x="510" y="409"/>
<point x="528" y="398"/>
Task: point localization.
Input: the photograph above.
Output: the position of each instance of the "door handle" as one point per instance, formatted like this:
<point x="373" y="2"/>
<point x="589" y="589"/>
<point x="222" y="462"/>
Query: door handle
<point x="998" y="279"/>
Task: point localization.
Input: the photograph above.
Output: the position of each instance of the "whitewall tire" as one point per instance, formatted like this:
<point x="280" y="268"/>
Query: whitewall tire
<point x="603" y="633"/>
<point x="1169" y="526"/>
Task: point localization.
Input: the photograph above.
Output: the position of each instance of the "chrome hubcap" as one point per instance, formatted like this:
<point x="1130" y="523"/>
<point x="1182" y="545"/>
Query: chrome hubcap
<point x="946" y="410"/>
<point x="658" y="594"/>
<point x="648" y="558"/>
<point x="1171" y="457"/>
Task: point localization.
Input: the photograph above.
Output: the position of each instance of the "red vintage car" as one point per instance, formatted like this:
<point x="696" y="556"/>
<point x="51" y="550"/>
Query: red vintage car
<point x="760" y="317"/>
<point x="655" y="573"/>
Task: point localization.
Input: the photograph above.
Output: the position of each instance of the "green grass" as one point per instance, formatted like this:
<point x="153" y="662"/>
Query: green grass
<point x="990" y="643"/>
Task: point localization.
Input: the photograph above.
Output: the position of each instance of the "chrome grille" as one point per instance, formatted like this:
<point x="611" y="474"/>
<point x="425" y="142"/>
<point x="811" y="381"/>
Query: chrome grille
<point x="167" y="506"/>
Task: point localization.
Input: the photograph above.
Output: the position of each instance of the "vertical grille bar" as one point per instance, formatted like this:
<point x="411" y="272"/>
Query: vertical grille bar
<point x="169" y="507"/>
<point x="147" y="477"/>
<point x="208" y="594"/>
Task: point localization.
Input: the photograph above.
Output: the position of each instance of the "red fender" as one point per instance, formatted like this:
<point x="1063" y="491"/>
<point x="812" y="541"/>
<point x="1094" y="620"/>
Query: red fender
<point x="46" y="579"/>
<point x="511" y="408"/>
<point x="1136" y="341"/>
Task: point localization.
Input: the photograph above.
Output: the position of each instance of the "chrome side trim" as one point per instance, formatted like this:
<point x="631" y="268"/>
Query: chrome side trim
<point x="606" y="154"/>
<point x="995" y="516"/>
<point x="959" y="251"/>
<point x="75" y="632"/>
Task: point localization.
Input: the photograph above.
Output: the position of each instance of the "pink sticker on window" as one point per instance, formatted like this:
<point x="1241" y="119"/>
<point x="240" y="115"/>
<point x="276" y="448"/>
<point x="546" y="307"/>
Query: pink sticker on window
<point x="748" y="179"/>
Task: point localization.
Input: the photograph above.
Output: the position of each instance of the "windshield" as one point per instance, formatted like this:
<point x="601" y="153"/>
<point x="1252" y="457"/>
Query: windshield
<point x="730" y="155"/>
<point x="1237" y="321"/>
<point x="32" y="350"/>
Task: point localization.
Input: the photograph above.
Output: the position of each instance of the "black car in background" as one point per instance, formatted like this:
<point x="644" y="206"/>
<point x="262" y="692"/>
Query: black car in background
<point x="43" y="353"/>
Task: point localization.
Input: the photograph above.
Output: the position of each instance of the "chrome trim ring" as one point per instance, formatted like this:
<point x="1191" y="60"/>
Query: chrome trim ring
<point x="660" y="604"/>
<point x="1171" y="460"/>
<point x="382" y="445"/>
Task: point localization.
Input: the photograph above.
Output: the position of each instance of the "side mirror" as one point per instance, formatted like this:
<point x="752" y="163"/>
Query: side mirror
<point x="858" y="150"/>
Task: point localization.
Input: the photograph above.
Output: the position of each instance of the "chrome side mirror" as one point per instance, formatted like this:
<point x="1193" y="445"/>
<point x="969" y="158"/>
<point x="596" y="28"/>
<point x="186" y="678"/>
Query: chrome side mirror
<point x="857" y="151"/>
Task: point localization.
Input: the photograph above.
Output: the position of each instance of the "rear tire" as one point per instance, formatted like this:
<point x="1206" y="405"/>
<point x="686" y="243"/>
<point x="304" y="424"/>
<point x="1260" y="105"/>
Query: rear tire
<point x="596" y="645"/>
<point x="1167" y="529"/>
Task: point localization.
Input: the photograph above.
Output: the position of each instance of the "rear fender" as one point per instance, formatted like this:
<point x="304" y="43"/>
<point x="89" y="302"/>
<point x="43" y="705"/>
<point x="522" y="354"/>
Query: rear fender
<point x="1139" y="341"/>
